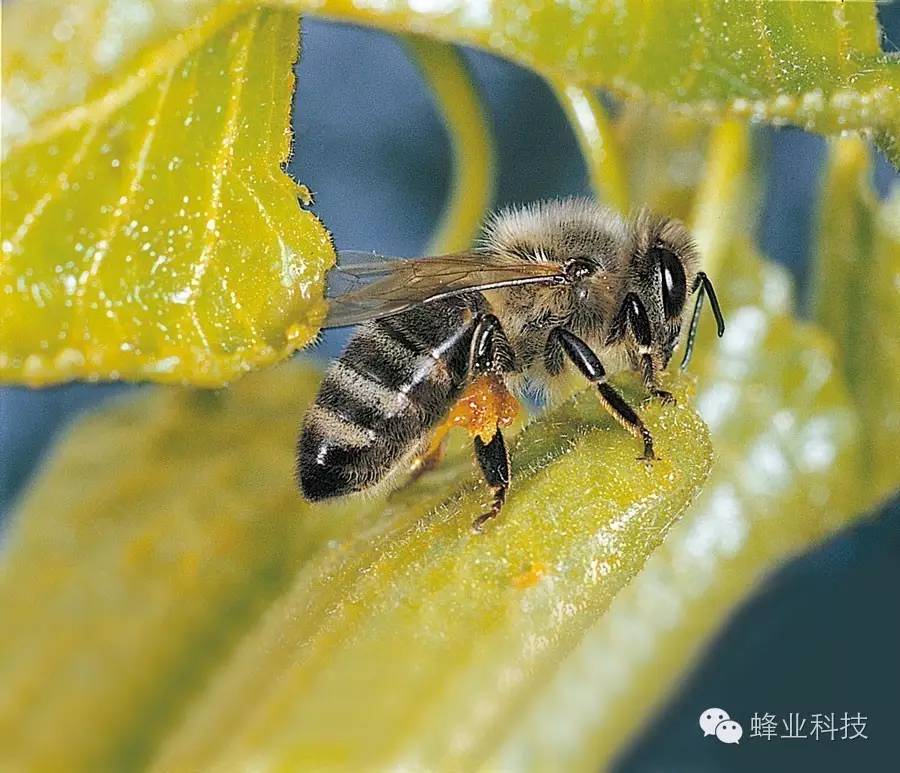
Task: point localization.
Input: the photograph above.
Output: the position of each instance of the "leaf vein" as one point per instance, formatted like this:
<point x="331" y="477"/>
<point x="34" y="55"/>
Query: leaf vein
<point x="61" y="179"/>
<point x="130" y="185"/>
<point x="221" y="165"/>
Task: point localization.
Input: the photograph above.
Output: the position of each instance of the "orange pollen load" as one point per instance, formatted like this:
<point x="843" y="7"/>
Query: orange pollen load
<point x="484" y="407"/>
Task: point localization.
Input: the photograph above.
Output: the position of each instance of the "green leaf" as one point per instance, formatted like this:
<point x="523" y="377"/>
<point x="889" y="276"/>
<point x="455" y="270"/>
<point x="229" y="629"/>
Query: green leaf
<point x="816" y="65"/>
<point x="167" y="524"/>
<point x="161" y="528"/>
<point x="148" y="229"/>
<point x="787" y="440"/>
<point x="136" y="161"/>
<point x="174" y="604"/>
<point x="858" y="302"/>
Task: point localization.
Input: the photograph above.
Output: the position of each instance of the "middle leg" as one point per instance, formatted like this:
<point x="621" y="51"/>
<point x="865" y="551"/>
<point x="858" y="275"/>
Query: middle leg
<point x="592" y="369"/>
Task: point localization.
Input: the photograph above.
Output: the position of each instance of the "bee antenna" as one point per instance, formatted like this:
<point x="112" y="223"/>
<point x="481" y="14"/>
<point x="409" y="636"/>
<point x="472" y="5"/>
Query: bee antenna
<point x="692" y="330"/>
<point x="713" y="303"/>
<point x="704" y="286"/>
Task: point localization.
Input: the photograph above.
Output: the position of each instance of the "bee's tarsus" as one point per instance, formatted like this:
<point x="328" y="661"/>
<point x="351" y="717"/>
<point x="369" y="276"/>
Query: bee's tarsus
<point x="667" y="398"/>
<point x="496" y="507"/>
<point x="493" y="459"/>
<point x="648" y="454"/>
<point x="649" y="372"/>
<point x="626" y="416"/>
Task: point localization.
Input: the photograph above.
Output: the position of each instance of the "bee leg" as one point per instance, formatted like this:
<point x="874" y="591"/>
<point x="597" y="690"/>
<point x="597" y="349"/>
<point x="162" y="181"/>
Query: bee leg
<point x="490" y="352"/>
<point x="484" y="408"/>
<point x="639" y="323"/>
<point x="649" y="371"/>
<point x="493" y="459"/>
<point x="592" y="369"/>
<point x="430" y="458"/>
<point x="487" y="406"/>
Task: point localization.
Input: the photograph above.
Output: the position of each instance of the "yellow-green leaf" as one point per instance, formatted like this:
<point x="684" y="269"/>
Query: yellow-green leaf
<point x="787" y="440"/>
<point x="858" y="302"/>
<point x="160" y="530"/>
<point x="166" y="525"/>
<point x="817" y="64"/>
<point x="148" y="230"/>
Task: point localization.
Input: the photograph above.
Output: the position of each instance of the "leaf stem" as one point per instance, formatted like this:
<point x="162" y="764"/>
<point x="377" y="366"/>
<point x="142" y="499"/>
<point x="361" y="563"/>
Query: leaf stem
<point x="714" y="218"/>
<point x="592" y="127"/>
<point x="471" y="139"/>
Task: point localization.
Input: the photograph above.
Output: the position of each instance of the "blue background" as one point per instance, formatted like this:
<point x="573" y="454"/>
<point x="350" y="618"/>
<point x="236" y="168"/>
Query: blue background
<point x="824" y="631"/>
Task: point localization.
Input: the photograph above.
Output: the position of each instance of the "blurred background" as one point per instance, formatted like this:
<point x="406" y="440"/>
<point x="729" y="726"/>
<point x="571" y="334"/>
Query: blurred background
<point x="823" y="631"/>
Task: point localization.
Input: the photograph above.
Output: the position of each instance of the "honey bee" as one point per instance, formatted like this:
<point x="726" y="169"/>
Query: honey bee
<point x="550" y="286"/>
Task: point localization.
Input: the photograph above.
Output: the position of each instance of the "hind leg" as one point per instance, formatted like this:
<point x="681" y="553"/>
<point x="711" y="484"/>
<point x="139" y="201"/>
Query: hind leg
<point x="484" y="407"/>
<point x="491" y="407"/>
<point x="431" y="456"/>
<point x="493" y="458"/>
<point x="483" y="410"/>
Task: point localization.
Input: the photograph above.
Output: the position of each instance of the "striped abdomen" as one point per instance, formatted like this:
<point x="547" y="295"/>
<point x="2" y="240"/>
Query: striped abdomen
<point x="395" y="381"/>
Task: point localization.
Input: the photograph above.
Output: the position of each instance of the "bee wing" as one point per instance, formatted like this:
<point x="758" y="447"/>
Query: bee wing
<point x="379" y="287"/>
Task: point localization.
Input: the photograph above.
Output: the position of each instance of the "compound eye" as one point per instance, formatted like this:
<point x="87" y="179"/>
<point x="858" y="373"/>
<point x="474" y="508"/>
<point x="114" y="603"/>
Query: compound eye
<point x="674" y="283"/>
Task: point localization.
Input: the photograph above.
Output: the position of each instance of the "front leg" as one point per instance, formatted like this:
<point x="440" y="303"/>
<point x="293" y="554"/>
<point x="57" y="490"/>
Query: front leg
<point x="649" y="373"/>
<point x="592" y="369"/>
<point x="639" y="323"/>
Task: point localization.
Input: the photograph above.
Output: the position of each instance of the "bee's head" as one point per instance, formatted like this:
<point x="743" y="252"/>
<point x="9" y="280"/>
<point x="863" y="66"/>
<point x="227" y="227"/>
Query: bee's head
<point x="662" y="273"/>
